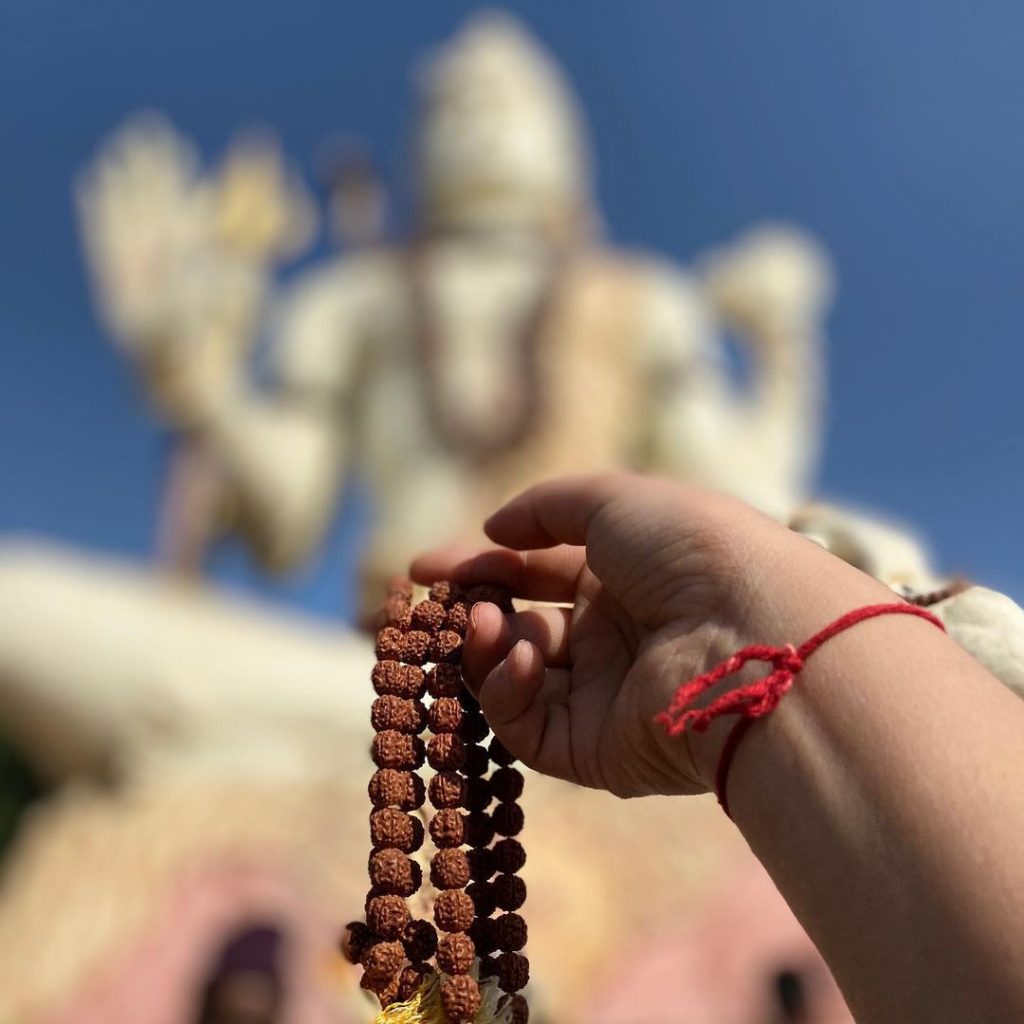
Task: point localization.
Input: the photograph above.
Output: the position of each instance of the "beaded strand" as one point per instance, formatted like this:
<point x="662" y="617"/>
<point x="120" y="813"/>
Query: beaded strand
<point x="393" y="948"/>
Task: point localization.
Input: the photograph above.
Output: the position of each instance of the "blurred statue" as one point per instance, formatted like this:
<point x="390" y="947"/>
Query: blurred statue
<point x="503" y="344"/>
<point x="214" y="751"/>
<point x="987" y="624"/>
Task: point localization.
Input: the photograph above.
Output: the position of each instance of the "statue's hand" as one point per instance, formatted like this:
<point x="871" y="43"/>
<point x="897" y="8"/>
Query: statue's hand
<point x="143" y="214"/>
<point x="180" y="260"/>
<point x="773" y="278"/>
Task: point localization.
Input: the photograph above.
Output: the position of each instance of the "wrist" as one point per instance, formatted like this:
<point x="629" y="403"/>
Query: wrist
<point x="785" y="603"/>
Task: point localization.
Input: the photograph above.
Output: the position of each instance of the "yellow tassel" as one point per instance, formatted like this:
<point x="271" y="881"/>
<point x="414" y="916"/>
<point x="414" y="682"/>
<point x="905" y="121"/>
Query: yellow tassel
<point x="425" y="1006"/>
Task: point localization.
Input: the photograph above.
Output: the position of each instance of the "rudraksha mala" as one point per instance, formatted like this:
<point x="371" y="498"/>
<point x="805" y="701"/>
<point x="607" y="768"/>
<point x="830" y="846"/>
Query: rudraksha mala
<point x="472" y="884"/>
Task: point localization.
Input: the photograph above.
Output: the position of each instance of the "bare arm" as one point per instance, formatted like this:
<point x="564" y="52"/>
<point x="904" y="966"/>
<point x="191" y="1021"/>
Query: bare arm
<point x="886" y="793"/>
<point x="886" y="798"/>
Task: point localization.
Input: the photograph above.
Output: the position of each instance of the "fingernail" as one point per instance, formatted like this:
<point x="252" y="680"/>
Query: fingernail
<point x="474" y="617"/>
<point x="522" y="654"/>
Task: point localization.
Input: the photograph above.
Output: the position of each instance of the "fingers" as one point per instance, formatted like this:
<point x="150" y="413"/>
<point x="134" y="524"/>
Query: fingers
<point x="527" y="705"/>
<point x="509" y="694"/>
<point x="547" y="575"/>
<point x="492" y="635"/>
<point x="554" y="512"/>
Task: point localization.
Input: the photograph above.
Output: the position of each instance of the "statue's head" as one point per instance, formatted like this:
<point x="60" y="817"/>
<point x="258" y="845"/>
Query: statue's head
<point x="499" y="139"/>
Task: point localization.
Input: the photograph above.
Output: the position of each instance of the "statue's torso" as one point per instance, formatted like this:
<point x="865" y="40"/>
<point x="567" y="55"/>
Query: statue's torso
<point x="487" y="369"/>
<point x="471" y="369"/>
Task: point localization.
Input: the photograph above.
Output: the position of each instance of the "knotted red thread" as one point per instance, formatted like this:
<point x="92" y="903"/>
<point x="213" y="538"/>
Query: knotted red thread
<point x="762" y="696"/>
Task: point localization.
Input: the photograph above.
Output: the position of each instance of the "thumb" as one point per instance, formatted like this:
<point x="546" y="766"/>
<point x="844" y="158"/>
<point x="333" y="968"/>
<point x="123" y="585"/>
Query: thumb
<point x="511" y="700"/>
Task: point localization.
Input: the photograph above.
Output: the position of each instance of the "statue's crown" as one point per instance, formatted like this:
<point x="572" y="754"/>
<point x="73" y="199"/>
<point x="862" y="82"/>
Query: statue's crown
<point x="494" y="83"/>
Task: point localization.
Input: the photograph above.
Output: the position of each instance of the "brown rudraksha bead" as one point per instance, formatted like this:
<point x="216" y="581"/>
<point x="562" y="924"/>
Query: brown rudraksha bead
<point x="444" y="647"/>
<point x="445" y="715"/>
<point x="455" y="953"/>
<point x="453" y="911"/>
<point x="457" y="618"/>
<point x="473" y="728"/>
<point x="507" y="783"/>
<point x="460" y="998"/>
<point x="446" y="752"/>
<point x="411" y="980"/>
<point x="444" y="592"/>
<point x="469" y="702"/>
<point x="509" y="892"/>
<point x="478" y="795"/>
<point x="415" y="647"/>
<point x="482" y="896"/>
<point x="477" y="762"/>
<point x="396" y="612"/>
<point x="507" y="819"/>
<point x="389" y="993"/>
<point x="420" y="940"/>
<point x="390" y="644"/>
<point x="513" y="972"/>
<point x="391" y="827"/>
<point x="383" y="959"/>
<point x="509" y="856"/>
<point x="499" y="754"/>
<point x="392" y="872"/>
<point x="483" y="939"/>
<point x="447" y="789"/>
<point x="481" y="865"/>
<point x="398" y="713"/>
<point x="387" y="916"/>
<point x="446" y="828"/>
<point x="392" y="678"/>
<point x="398" y="750"/>
<point x="355" y="941"/>
<point x="385" y="987"/>
<point x="449" y="869"/>
<point x="429" y="616"/>
<point x="392" y="788"/>
<point x="509" y="931"/>
<point x="478" y="829"/>
<point x="445" y="681"/>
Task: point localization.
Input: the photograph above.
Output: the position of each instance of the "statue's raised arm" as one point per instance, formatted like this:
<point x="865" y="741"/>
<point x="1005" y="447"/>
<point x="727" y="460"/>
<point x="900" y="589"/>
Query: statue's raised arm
<point x="182" y="264"/>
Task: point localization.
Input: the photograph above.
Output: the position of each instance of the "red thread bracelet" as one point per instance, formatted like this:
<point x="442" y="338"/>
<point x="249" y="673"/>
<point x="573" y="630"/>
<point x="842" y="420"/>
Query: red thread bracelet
<point x="762" y="696"/>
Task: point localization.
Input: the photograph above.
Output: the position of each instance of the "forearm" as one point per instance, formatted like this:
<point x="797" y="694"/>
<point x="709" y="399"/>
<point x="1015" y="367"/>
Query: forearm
<point x="886" y="797"/>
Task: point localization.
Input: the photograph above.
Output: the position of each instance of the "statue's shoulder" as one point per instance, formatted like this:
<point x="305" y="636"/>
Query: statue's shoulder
<point x="671" y="310"/>
<point x="367" y="274"/>
<point x="326" y="312"/>
<point x="654" y="277"/>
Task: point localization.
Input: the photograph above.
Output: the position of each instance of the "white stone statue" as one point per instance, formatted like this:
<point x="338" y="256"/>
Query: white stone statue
<point x="505" y="343"/>
<point x="987" y="624"/>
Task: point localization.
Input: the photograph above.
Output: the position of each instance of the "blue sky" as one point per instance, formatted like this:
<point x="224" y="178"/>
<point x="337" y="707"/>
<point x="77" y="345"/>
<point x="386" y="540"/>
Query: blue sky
<point x="892" y="130"/>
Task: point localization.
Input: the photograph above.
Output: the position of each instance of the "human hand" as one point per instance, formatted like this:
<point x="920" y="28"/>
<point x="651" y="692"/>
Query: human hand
<point x="654" y="584"/>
